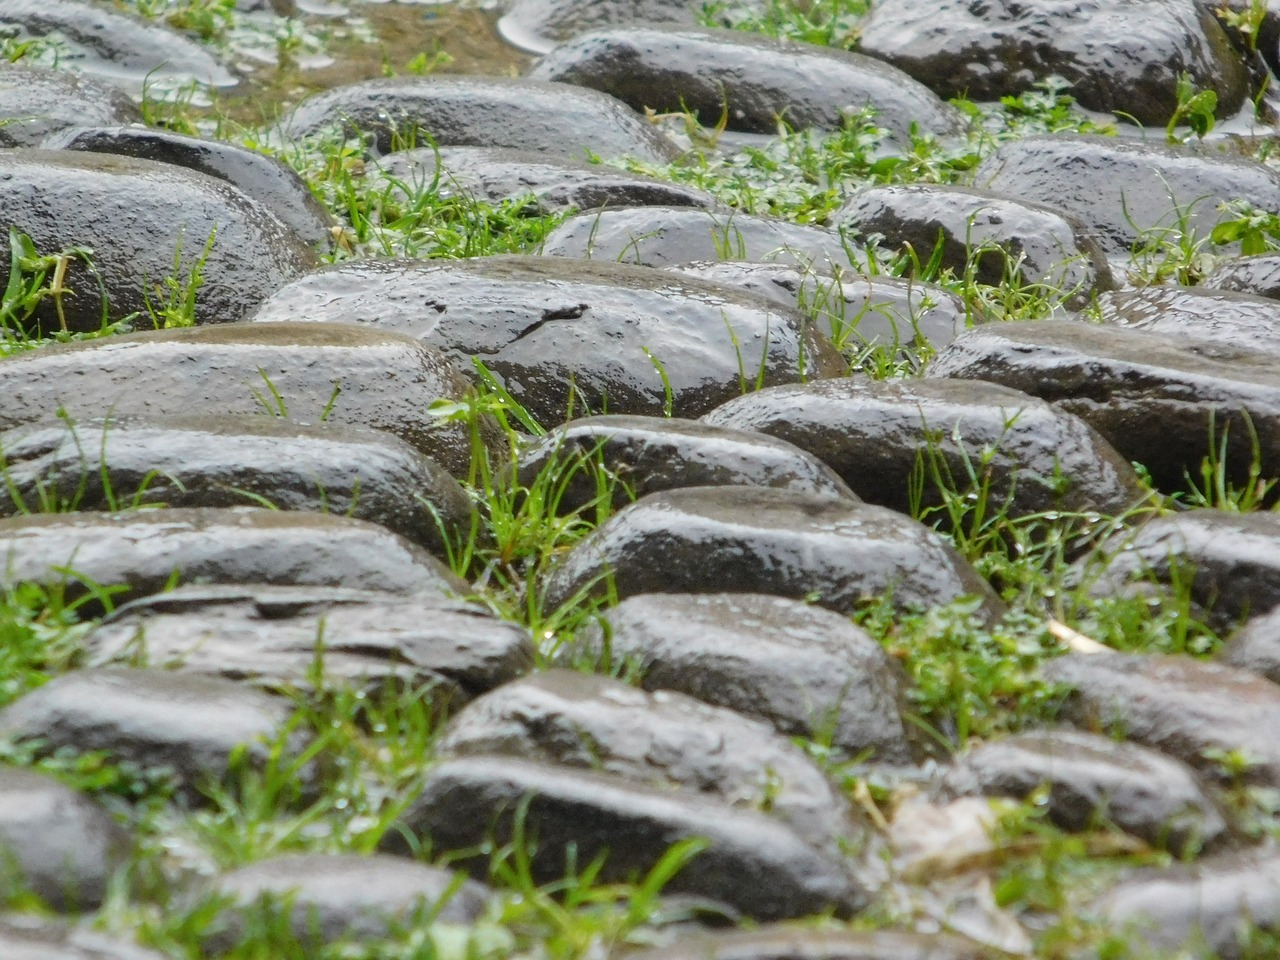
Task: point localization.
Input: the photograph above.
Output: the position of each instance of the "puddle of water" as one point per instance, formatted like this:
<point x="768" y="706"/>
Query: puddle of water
<point x="327" y="45"/>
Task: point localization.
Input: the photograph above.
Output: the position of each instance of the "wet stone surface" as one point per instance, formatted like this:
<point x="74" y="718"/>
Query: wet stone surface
<point x="1227" y="564"/>
<point x="649" y="454"/>
<point x="540" y="25"/>
<point x="550" y="184"/>
<point x="1256" y="646"/>
<point x="661" y="739"/>
<point x="1154" y="397"/>
<point x="804" y="670"/>
<point x="136" y="216"/>
<point x="758" y="540"/>
<point x="1188" y="709"/>
<point x="1047" y="247"/>
<point x="791" y="943"/>
<point x="874" y="433"/>
<point x="145" y="550"/>
<point x="270" y="636"/>
<point x="127" y="51"/>
<point x="38" y="102"/>
<point x="336" y="897"/>
<point x="1231" y="319"/>
<point x="1117" y="58"/>
<point x="660" y="237"/>
<point x="631" y="340"/>
<point x="753" y="863"/>
<point x="858" y="310"/>
<point x="233" y="461"/>
<point x="156" y="720"/>
<point x="556" y="119"/>
<point x="1266" y="34"/>
<point x="58" y="844"/>
<point x="1209" y="905"/>
<point x="263" y="178"/>
<point x="1258" y="274"/>
<point x="1120" y="189"/>
<point x="1092" y="780"/>
<point x="754" y="80"/>
<point x="26" y="937"/>
<point x="310" y="373"/>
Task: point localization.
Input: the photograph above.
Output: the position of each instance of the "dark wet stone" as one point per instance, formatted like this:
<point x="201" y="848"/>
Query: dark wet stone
<point x="135" y="215"/>
<point x="649" y="454"/>
<point x="332" y="897"/>
<point x="270" y="636"/>
<point x="36" y="102"/>
<point x="805" y="670"/>
<point x="662" y="739"/>
<point x="568" y="335"/>
<point x="1123" y="59"/>
<point x="760" y="540"/>
<point x="1258" y="274"/>
<point x="1231" y="319"/>
<point x="873" y="433"/>
<point x="539" y="25"/>
<point x="1093" y="780"/>
<point x="1256" y="646"/>
<point x="29" y="937"/>
<point x="156" y="719"/>
<point x="1047" y="247"/>
<point x="1266" y="40"/>
<point x="145" y="550"/>
<point x="662" y="236"/>
<point x="1229" y="563"/>
<point x="856" y="309"/>
<point x="1162" y="401"/>
<point x="1120" y="188"/>
<point x="1187" y="708"/>
<point x="554" y="119"/>
<point x="56" y="843"/>
<point x="132" y="53"/>
<point x="753" y="863"/>
<point x="550" y="184"/>
<point x="266" y="179"/>
<point x="232" y="461"/>
<point x="793" y="943"/>
<point x="338" y="374"/>
<point x="1206" y="907"/>
<point x="757" y="79"/>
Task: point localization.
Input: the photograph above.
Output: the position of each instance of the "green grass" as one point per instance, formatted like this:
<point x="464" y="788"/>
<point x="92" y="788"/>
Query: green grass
<point x="370" y="750"/>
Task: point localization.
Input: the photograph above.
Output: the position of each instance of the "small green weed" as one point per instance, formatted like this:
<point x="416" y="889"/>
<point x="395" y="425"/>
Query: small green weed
<point x="519" y="529"/>
<point x="207" y="19"/>
<point x="828" y="23"/>
<point x="40" y="636"/>
<point x="45" y="51"/>
<point x="175" y="295"/>
<point x="1196" y="109"/>
<point x="1257" y="231"/>
<point x="1047" y="872"/>
<point x="1216" y="488"/>
<point x="1047" y="107"/>
<point x="1246" y="21"/>
<point x="1171" y="250"/>
<point x="969" y="680"/>
<point x="35" y="278"/>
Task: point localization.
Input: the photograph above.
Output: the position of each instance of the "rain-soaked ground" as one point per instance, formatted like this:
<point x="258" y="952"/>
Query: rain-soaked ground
<point x="323" y="45"/>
